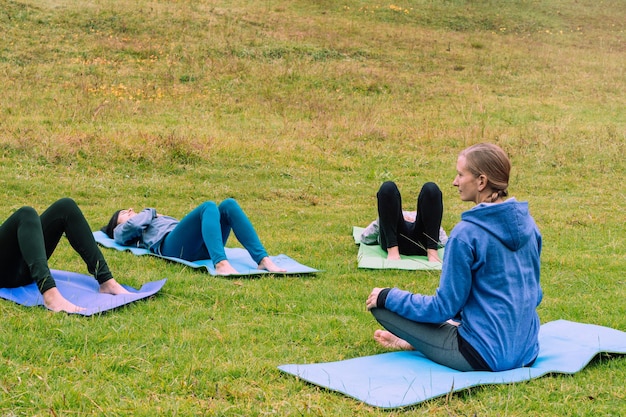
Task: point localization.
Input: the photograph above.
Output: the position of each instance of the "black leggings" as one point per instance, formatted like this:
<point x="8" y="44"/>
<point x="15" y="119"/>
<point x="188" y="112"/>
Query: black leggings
<point x="27" y="241"/>
<point x="412" y="238"/>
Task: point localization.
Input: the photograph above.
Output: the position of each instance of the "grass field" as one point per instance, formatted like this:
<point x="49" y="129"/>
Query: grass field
<point x="299" y="110"/>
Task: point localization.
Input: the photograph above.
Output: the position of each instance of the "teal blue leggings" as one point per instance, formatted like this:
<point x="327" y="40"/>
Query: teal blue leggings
<point x="27" y="241"/>
<point x="202" y="234"/>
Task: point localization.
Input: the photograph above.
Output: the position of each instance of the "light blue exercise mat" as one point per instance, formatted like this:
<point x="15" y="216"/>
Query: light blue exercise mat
<point x="400" y="379"/>
<point x="374" y="257"/>
<point x="239" y="258"/>
<point x="81" y="290"/>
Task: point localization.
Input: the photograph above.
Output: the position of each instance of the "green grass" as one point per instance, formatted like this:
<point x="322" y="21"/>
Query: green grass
<point x="300" y="109"/>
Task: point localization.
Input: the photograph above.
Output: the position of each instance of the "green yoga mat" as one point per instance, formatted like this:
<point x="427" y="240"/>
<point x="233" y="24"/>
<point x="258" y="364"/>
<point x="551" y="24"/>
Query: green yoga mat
<point x="374" y="257"/>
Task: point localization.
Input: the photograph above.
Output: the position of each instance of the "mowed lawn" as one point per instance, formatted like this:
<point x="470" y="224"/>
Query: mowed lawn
<point x="299" y="110"/>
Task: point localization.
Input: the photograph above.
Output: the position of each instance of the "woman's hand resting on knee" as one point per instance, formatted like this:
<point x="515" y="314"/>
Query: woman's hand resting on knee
<point x="372" y="299"/>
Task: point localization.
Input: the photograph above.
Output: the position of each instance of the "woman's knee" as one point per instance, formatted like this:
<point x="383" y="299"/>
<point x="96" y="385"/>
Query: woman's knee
<point x="388" y="189"/>
<point x="431" y="190"/>
<point x="65" y="205"/>
<point x="228" y="205"/>
<point x="209" y="205"/>
<point x="26" y="213"/>
<point x="384" y="316"/>
<point x="206" y="210"/>
<point x="25" y="217"/>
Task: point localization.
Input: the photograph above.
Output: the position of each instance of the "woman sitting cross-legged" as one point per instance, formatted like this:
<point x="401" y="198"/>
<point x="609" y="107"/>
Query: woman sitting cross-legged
<point x="201" y="234"/>
<point x="483" y="316"/>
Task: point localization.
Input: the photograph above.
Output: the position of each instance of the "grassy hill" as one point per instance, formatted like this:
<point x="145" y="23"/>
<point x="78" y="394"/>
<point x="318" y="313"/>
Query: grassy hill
<point x="299" y="110"/>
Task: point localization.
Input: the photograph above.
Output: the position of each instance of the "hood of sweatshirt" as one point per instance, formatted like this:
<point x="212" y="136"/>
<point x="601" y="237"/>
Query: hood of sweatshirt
<point x="509" y="221"/>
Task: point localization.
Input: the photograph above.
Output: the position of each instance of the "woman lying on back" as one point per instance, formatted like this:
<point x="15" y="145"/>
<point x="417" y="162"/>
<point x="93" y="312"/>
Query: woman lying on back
<point x="201" y="234"/>
<point x="27" y="241"/>
<point x="400" y="234"/>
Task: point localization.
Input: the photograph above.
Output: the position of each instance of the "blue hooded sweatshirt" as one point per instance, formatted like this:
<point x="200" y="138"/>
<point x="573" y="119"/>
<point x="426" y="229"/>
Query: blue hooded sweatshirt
<point x="490" y="278"/>
<point x="145" y="230"/>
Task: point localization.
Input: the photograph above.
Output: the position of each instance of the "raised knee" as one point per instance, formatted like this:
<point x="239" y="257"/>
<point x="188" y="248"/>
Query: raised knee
<point x="209" y="205"/>
<point x="229" y="203"/>
<point x="431" y="189"/>
<point x="208" y="208"/>
<point x="388" y="188"/>
<point x="67" y="207"/>
<point x="66" y="203"/>
<point x="27" y="212"/>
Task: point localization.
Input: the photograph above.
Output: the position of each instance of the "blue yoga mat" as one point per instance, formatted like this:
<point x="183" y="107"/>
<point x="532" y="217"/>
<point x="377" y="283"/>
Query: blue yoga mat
<point x="239" y="258"/>
<point x="81" y="290"/>
<point x="399" y="379"/>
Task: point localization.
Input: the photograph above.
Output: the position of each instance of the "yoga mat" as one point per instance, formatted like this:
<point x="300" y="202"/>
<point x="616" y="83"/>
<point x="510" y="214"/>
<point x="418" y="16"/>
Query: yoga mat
<point x="400" y="379"/>
<point x="239" y="258"/>
<point x="374" y="257"/>
<point x="81" y="290"/>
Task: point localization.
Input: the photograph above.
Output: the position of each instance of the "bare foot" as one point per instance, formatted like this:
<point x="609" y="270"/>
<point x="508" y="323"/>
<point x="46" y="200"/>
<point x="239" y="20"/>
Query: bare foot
<point x="393" y="253"/>
<point x="433" y="255"/>
<point x="269" y="265"/>
<point x="112" y="287"/>
<point x="225" y="268"/>
<point x="54" y="301"/>
<point x="391" y="341"/>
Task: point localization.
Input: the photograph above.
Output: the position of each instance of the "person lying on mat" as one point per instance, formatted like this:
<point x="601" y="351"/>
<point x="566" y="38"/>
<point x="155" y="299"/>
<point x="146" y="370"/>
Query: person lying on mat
<point x="489" y="283"/>
<point x="201" y="234"/>
<point x="27" y="241"/>
<point x="399" y="234"/>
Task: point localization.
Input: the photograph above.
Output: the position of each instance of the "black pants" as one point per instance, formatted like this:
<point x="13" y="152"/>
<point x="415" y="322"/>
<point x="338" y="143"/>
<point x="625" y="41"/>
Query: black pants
<point x="27" y="241"/>
<point x="412" y="238"/>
